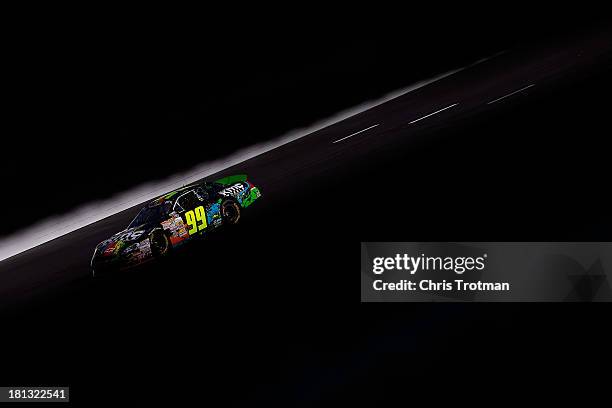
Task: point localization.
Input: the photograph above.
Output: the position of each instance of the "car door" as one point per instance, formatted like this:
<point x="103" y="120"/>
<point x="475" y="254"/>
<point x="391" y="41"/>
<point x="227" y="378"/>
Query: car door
<point x="213" y="206"/>
<point x="192" y="209"/>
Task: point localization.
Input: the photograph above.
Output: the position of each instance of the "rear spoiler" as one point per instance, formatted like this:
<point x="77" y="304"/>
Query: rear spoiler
<point x="232" y="179"/>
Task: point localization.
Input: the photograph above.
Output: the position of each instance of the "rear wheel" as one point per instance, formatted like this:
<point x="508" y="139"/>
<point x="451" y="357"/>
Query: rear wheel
<point x="160" y="245"/>
<point x="230" y="211"/>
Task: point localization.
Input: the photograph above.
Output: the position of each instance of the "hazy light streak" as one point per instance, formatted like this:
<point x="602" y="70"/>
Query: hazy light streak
<point x="55" y="227"/>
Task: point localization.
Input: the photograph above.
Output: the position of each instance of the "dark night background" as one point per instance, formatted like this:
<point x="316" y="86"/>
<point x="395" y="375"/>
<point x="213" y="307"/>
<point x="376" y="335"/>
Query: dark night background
<point x="97" y="106"/>
<point x="92" y="109"/>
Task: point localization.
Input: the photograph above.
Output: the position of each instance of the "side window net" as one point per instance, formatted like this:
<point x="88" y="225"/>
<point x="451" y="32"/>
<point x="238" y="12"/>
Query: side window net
<point x="187" y="201"/>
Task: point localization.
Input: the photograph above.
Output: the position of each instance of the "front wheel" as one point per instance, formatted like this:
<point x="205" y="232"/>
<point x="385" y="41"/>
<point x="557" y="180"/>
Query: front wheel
<point x="160" y="245"/>
<point x="230" y="211"/>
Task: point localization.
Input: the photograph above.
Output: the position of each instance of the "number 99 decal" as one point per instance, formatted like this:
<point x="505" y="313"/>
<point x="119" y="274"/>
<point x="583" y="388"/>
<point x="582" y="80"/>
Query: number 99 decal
<point x="193" y="217"/>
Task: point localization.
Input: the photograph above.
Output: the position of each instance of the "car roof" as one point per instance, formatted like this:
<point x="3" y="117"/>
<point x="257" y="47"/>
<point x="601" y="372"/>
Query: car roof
<point x="173" y="195"/>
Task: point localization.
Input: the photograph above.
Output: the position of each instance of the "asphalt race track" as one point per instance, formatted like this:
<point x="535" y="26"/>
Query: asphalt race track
<point x="379" y="175"/>
<point x="290" y="169"/>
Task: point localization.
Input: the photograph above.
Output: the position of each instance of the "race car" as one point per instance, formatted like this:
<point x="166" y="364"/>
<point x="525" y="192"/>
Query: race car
<point x="174" y="219"/>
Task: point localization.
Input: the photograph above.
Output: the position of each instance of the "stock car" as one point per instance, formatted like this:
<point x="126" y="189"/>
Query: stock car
<point x="169" y="221"/>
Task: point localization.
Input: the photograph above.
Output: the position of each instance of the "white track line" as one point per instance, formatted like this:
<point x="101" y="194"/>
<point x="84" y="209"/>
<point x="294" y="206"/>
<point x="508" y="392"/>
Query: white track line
<point x="433" y="113"/>
<point x="510" y="94"/>
<point x="356" y="133"/>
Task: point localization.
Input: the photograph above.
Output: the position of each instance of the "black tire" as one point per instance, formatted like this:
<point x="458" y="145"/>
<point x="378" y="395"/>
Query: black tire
<point x="160" y="244"/>
<point x="230" y="211"/>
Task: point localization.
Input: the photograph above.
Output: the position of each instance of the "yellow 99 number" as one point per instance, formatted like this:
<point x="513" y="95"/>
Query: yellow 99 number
<point x="195" y="216"/>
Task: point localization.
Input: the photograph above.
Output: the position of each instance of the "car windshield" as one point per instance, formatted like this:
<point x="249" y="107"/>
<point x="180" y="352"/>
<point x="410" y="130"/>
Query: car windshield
<point x="151" y="214"/>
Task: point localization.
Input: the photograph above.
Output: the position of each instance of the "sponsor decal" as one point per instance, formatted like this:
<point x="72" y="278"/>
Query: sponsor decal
<point x="232" y="191"/>
<point x="110" y="250"/>
<point x="213" y="214"/>
<point x="138" y="252"/>
<point x="145" y="248"/>
<point x="177" y="229"/>
<point x="129" y="236"/>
